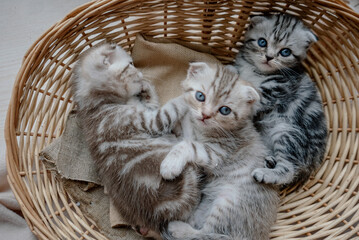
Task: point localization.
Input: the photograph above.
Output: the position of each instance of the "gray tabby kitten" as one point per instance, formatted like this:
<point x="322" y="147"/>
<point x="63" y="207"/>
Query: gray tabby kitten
<point x="223" y="141"/>
<point x="126" y="132"/>
<point x="290" y="115"/>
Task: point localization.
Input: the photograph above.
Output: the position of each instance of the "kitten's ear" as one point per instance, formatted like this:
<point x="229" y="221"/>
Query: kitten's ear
<point x="251" y="94"/>
<point x="255" y="20"/>
<point x="312" y="38"/>
<point x="106" y="61"/>
<point x="108" y="57"/>
<point x="196" y="68"/>
<point x="108" y="50"/>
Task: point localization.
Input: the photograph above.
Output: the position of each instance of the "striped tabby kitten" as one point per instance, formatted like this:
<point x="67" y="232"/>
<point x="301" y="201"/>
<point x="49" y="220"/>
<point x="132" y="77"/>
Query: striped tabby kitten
<point x="128" y="138"/>
<point x="290" y="116"/>
<point x="224" y="142"/>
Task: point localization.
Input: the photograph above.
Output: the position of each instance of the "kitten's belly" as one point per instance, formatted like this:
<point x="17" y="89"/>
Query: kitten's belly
<point x="267" y="126"/>
<point x="168" y="138"/>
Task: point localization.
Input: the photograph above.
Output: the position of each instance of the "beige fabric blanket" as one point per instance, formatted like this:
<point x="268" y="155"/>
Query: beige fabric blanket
<point x="162" y="62"/>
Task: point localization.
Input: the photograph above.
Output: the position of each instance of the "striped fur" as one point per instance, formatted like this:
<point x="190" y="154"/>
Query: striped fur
<point x="290" y="115"/>
<point x="228" y="148"/>
<point x="129" y="136"/>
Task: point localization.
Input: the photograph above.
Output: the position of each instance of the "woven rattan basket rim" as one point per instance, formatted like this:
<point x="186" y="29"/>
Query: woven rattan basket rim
<point x="341" y="106"/>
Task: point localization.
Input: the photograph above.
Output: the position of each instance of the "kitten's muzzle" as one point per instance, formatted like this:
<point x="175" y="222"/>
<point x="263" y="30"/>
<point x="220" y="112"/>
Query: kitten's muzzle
<point x="205" y="116"/>
<point x="269" y="58"/>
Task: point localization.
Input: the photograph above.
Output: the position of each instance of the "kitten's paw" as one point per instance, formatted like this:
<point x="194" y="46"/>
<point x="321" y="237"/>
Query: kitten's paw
<point x="180" y="230"/>
<point x="270" y="161"/>
<point x="265" y="175"/>
<point x="148" y="95"/>
<point x="171" y="167"/>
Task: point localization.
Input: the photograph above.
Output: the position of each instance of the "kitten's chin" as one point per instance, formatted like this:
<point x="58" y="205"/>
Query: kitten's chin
<point x="201" y="123"/>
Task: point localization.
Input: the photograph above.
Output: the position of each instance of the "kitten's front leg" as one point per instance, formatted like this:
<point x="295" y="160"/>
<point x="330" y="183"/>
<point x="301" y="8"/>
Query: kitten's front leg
<point x="149" y="96"/>
<point x="276" y="172"/>
<point x="287" y="144"/>
<point x="206" y="155"/>
<point x="176" y="160"/>
<point x="164" y="119"/>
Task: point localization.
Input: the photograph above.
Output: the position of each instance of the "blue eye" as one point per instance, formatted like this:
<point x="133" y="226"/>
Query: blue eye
<point x="285" y="52"/>
<point x="225" y="110"/>
<point x="200" y="96"/>
<point x="262" y="42"/>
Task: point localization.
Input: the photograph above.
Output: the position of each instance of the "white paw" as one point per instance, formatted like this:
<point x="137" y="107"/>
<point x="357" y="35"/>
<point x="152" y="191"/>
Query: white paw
<point x="180" y="229"/>
<point x="265" y="175"/>
<point x="172" y="167"/>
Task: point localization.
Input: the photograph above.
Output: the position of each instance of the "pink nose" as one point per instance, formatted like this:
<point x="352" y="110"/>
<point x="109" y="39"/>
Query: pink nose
<point x="204" y="116"/>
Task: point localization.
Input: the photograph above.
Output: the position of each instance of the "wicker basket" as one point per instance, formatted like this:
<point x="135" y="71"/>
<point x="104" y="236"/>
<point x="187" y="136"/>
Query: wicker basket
<point x="326" y="208"/>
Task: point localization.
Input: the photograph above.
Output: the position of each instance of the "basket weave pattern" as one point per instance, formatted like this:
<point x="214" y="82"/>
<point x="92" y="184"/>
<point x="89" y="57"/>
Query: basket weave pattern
<point x="326" y="208"/>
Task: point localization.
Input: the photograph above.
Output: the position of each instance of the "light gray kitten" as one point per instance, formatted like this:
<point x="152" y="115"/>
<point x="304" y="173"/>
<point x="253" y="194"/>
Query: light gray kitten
<point x="222" y="140"/>
<point x="128" y="137"/>
<point x="290" y="115"/>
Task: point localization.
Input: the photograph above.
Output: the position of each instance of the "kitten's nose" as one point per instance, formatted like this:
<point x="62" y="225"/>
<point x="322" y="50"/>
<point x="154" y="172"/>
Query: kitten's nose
<point x="205" y="116"/>
<point x="269" y="58"/>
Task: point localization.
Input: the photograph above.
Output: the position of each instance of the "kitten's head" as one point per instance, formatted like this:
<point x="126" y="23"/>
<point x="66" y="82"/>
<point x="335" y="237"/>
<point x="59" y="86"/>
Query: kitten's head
<point x="217" y="98"/>
<point x="107" y="68"/>
<point x="275" y="42"/>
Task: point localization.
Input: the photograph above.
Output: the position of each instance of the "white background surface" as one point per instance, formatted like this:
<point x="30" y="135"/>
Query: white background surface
<point x="21" y="23"/>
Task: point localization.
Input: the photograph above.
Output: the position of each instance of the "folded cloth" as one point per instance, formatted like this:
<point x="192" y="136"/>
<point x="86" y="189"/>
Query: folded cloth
<point x="165" y="63"/>
<point x="95" y="205"/>
<point x="69" y="154"/>
<point x="162" y="62"/>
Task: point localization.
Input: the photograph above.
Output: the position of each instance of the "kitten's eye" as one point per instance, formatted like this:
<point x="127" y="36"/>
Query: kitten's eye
<point x="200" y="96"/>
<point x="131" y="63"/>
<point x="225" y="110"/>
<point x="285" y="52"/>
<point x="262" y="42"/>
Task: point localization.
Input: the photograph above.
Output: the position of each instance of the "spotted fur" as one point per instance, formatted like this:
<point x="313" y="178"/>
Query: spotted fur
<point x="290" y="115"/>
<point x="226" y="145"/>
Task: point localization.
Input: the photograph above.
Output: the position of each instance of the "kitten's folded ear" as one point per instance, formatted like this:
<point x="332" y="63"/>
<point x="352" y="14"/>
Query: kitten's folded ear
<point x="196" y="68"/>
<point x="312" y="38"/>
<point x="109" y="54"/>
<point x="251" y="94"/>
<point x="257" y="19"/>
<point x="109" y="51"/>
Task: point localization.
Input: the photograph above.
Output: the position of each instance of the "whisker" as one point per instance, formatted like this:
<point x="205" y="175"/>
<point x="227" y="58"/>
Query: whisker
<point x="284" y="70"/>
